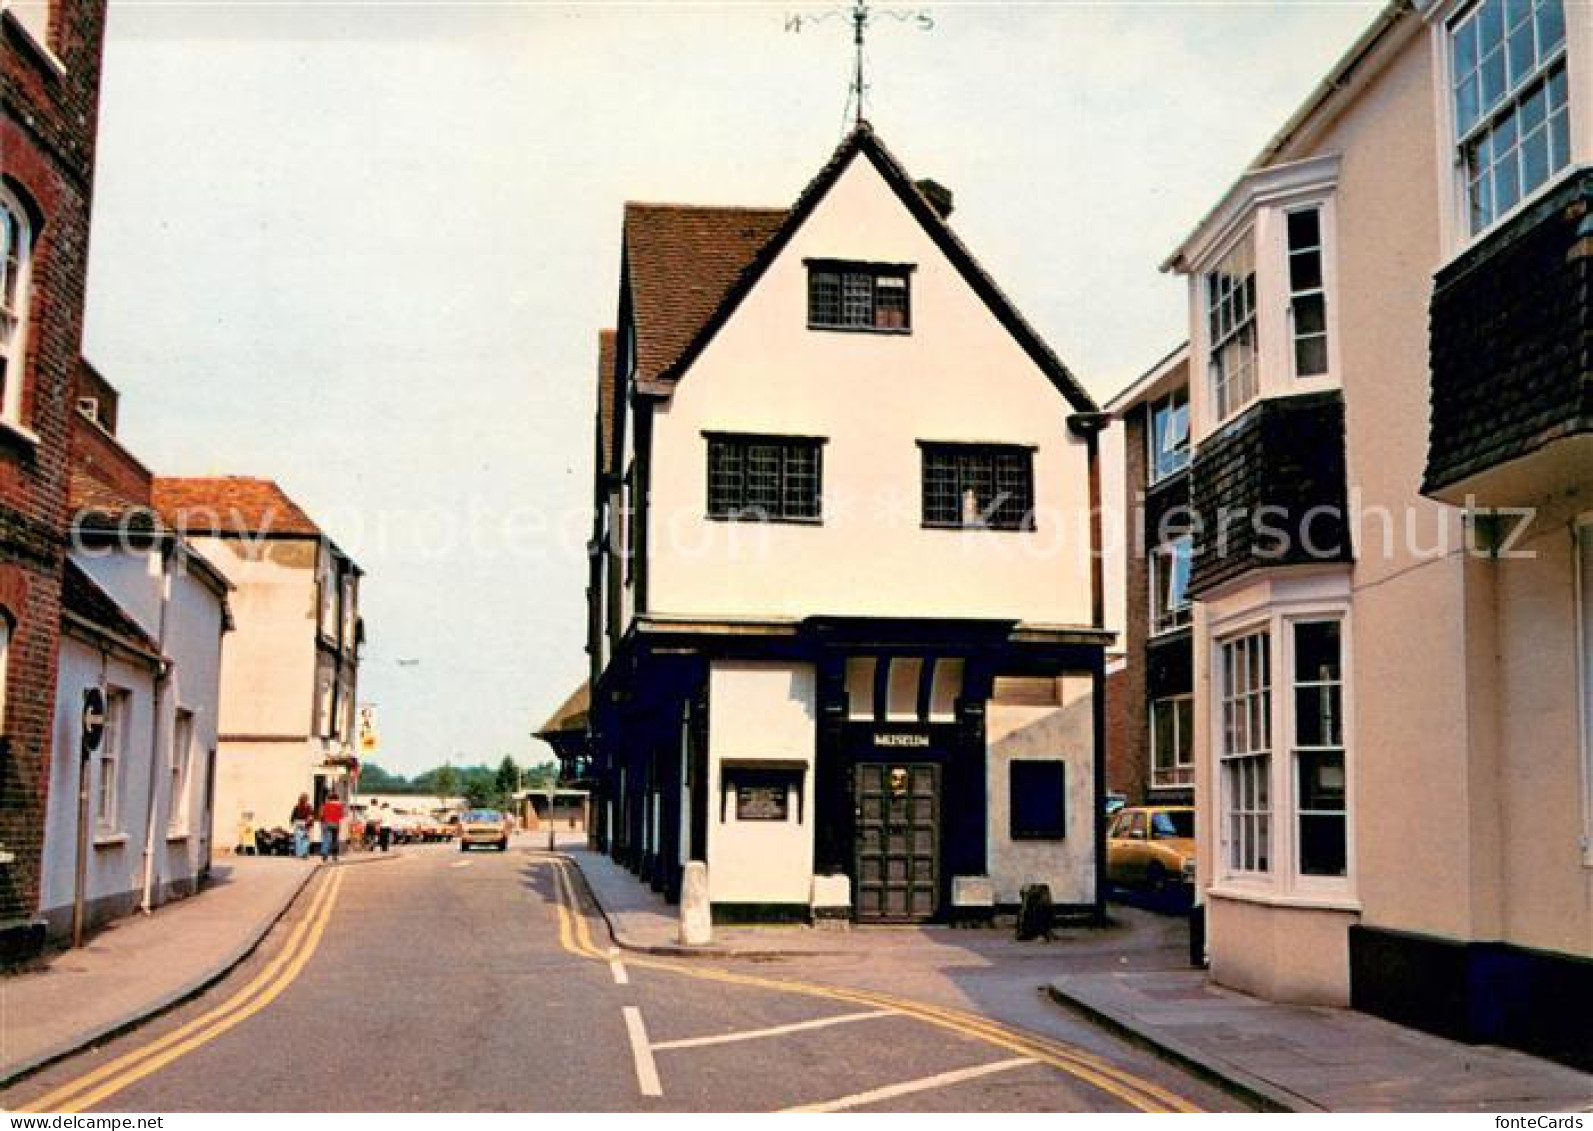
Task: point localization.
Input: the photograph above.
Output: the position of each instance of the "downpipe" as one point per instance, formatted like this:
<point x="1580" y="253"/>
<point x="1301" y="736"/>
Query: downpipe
<point x="154" y="829"/>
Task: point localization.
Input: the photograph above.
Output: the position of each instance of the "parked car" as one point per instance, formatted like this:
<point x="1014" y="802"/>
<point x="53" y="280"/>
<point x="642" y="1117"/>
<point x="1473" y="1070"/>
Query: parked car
<point x="1151" y="846"/>
<point x="483" y="826"/>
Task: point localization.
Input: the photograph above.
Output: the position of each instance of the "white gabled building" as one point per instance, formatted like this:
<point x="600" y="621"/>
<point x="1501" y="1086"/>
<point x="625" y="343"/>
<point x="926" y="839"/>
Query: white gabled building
<point x="845" y="616"/>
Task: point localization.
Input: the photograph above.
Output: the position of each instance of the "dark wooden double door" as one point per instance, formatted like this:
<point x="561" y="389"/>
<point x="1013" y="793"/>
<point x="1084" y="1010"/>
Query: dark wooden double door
<point x="897" y="848"/>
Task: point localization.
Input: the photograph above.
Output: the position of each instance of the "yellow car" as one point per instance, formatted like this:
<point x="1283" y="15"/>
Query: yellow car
<point x="483" y="826"/>
<point x="1151" y="846"/>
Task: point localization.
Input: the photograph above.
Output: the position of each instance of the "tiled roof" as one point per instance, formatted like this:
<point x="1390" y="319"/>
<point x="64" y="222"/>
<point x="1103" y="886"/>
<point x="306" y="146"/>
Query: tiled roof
<point x="701" y="263"/>
<point x="571" y="715"/>
<point x="682" y="260"/>
<point x="97" y="505"/>
<point x="605" y="400"/>
<point x="84" y="599"/>
<point x="231" y="505"/>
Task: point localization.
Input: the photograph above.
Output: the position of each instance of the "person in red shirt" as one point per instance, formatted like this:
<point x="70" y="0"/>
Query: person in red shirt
<point x="331" y="826"/>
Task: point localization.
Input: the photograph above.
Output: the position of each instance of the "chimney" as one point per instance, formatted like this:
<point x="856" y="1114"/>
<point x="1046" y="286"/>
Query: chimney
<point x="938" y="195"/>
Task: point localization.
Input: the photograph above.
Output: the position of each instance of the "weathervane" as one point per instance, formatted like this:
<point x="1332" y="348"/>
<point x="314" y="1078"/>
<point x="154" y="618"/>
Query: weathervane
<point x="857" y="92"/>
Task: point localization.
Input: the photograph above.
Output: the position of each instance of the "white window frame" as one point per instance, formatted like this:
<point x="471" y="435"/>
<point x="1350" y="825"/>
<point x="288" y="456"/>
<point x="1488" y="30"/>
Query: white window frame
<point x="15" y="351"/>
<point x="1224" y="408"/>
<point x="1166" y="617"/>
<point x="1265" y="817"/>
<point x="1487" y="123"/>
<point x="180" y="772"/>
<point x="1183" y="761"/>
<point x="1321" y="290"/>
<point x="1298" y="876"/>
<point x="108" y="763"/>
<point x="1276" y="608"/>
<point x="1455" y="225"/>
<point x="1582" y="574"/>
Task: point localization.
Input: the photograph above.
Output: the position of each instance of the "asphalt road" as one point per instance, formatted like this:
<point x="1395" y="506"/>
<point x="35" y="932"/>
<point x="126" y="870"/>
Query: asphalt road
<point x="440" y="981"/>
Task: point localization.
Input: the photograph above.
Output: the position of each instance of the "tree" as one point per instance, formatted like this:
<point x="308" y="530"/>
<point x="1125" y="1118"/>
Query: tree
<point x="543" y="775"/>
<point x="444" y="781"/>
<point x="507" y="779"/>
<point x="374" y="779"/>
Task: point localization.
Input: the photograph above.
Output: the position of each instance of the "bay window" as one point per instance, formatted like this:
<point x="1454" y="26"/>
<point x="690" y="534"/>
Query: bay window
<point x="1246" y="753"/>
<point x="1307" y="292"/>
<point x="1231" y="329"/>
<point x="1319" y="749"/>
<point x="1507" y="62"/>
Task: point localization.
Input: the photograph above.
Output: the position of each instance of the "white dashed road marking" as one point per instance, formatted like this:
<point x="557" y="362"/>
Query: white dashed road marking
<point x="642" y="1053"/>
<point x="778" y="1030"/>
<point x="927" y="1083"/>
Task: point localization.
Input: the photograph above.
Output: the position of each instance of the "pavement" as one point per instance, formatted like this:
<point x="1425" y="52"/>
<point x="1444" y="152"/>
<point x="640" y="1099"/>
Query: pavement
<point x="1315" y="1058"/>
<point x="1133" y="978"/>
<point x="142" y="965"/>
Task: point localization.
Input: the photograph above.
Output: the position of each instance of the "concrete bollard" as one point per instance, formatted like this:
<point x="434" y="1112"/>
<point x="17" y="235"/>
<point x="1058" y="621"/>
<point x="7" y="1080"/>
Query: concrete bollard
<point x="696" y="916"/>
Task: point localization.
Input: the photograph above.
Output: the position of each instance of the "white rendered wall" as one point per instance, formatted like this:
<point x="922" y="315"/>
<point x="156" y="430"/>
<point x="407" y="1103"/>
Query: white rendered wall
<point x="958" y="376"/>
<point x="760" y="713"/>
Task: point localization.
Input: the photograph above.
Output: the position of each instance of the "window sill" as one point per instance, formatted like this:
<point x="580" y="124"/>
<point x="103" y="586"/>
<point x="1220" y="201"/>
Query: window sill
<point x="1469" y="241"/>
<point x="1159" y="634"/>
<point x="958" y="528"/>
<point x="177" y="836"/>
<point x="901" y="332"/>
<point x="766" y="521"/>
<point x="1154" y="485"/>
<point x="1303" y="901"/>
<point x="110" y="840"/>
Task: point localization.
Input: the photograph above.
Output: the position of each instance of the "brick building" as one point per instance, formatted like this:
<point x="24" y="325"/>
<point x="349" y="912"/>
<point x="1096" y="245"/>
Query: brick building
<point x="49" y="104"/>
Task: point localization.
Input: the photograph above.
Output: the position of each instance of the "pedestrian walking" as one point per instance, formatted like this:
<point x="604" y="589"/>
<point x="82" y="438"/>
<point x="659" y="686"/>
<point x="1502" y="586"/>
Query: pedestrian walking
<point x="374" y="825"/>
<point x="331" y="826"/>
<point x="302" y="818"/>
<point x="384" y="831"/>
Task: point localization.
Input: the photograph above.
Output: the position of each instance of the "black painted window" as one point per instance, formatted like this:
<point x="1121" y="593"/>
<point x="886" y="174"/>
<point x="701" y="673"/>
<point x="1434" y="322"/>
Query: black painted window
<point x="859" y="296"/>
<point x="765" y="478"/>
<point x="1039" y="800"/>
<point x="970" y="486"/>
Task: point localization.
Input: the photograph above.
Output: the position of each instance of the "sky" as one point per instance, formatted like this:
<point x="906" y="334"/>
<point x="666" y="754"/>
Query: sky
<point x="364" y="249"/>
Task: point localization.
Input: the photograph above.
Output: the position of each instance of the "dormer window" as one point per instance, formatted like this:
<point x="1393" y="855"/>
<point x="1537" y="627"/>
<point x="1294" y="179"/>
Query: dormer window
<point x="1512" y="117"/>
<point x="859" y="296"/>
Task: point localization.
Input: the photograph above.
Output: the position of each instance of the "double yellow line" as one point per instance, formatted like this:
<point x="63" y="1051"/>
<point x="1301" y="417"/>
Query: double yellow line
<point x="99" y="1085"/>
<point x="1135" y="1091"/>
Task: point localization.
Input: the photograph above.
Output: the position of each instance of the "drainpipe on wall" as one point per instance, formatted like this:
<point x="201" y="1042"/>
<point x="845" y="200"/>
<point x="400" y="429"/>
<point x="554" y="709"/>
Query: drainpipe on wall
<point x="153" y="829"/>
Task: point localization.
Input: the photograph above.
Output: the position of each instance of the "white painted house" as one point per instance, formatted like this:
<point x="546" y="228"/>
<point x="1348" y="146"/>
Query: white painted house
<point x="143" y="620"/>
<point x="846" y="630"/>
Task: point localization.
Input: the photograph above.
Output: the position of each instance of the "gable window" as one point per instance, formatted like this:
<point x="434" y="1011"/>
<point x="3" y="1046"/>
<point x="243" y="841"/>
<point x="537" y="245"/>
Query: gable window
<point x="859" y="296"/>
<point x="1173" y="742"/>
<point x="978" y="486"/>
<point x="1319" y="748"/>
<point x="107" y="801"/>
<point x="1245" y="689"/>
<point x="1169" y="570"/>
<point x="1307" y="293"/>
<point x="1511" y="104"/>
<point x="1169" y="435"/>
<point x="765" y="478"/>
<point x="1231" y="330"/>
<point x="16" y="242"/>
<point x="1037" y="795"/>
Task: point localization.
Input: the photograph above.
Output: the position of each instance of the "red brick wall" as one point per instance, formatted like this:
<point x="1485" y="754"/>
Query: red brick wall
<point x="1128" y="736"/>
<point x="47" y="137"/>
